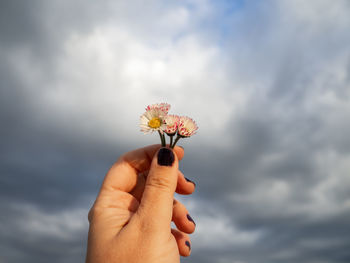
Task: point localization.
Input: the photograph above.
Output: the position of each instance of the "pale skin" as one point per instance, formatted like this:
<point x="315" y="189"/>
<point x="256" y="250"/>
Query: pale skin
<point x="130" y="221"/>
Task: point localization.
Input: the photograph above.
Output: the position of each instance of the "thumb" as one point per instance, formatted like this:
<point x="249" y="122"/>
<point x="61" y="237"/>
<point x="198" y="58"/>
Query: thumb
<point x="157" y="200"/>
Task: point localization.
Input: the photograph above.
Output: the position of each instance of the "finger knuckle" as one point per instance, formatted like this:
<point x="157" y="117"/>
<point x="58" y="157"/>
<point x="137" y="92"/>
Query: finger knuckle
<point x="161" y="183"/>
<point x="93" y="213"/>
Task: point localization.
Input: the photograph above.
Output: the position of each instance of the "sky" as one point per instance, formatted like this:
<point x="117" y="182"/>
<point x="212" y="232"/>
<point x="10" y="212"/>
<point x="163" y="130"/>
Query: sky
<point x="268" y="83"/>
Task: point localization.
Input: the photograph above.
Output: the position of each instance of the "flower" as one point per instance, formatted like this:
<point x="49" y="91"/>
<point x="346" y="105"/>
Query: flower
<point x="162" y="106"/>
<point x="153" y="120"/>
<point x="156" y="118"/>
<point x="187" y="127"/>
<point x="172" y="123"/>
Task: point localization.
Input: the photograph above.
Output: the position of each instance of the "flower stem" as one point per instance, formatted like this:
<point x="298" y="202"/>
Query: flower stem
<point x="162" y="138"/>
<point x="176" y="140"/>
<point x="171" y="140"/>
<point x="164" y="141"/>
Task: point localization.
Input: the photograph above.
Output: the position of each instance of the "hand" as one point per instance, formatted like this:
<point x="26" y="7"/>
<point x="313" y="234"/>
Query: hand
<point x="130" y="221"/>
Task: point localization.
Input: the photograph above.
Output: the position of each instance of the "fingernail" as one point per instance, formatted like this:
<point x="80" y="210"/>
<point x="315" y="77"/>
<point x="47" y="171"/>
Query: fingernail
<point x="188" y="244"/>
<point x="190" y="181"/>
<point x="181" y="147"/>
<point x="190" y="219"/>
<point x="165" y="157"/>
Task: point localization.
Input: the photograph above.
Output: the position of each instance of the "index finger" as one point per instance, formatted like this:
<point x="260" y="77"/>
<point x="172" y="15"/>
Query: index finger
<point x="123" y="173"/>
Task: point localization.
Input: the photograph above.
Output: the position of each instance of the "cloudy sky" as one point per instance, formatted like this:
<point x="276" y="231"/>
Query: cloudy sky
<point x="267" y="81"/>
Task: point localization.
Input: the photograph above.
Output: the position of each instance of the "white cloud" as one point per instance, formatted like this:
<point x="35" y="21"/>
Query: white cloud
<point x="63" y="225"/>
<point x="104" y="78"/>
<point x="222" y="228"/>
<point x="213" y="223"/>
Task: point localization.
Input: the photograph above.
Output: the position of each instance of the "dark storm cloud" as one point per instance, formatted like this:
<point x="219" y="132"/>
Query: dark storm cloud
<point x="43" y="26"/>
<point x="38" y="160"/>
<point x="43" y="168"/>
<point x="45" y="150"/>
<point x="279" y="139"/>
<point x="32" y="235"/>
<point x="281" y="176"/>
<point x="271" y="178"/>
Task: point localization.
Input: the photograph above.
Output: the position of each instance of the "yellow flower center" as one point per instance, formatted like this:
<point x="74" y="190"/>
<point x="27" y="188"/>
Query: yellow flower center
<point x="155" y="123"/>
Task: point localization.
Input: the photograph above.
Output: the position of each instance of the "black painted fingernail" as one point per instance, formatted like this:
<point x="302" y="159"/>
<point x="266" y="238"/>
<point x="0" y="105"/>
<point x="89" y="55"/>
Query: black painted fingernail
<point x="188" y="244"/>
<point x="190" y="219"/>
<point x="165" y="157"/>
<point x="190" y="181"/>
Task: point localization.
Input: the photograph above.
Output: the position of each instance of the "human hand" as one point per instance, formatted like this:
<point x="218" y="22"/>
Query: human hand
<point x="130" y="221"/>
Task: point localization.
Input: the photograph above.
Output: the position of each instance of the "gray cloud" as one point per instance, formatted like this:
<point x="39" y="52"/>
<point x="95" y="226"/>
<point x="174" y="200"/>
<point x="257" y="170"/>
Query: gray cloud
<point x="272" y="79"/>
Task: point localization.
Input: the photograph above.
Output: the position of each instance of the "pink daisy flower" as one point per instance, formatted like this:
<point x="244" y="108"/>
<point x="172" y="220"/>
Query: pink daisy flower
<point x="162" y="106"/>
<point x="187" y="127"/>
<point x="172" y="123"/>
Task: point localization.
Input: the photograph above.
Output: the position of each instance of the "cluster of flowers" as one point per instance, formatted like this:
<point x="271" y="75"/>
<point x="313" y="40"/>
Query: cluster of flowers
<point x="156" y="118"/>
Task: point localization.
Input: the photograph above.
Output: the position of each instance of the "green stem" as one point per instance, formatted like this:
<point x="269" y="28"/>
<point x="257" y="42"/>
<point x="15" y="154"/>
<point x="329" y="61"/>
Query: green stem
<point x="176" y="140"/>
<point x="171" y="140"/>
<point x="162" y="139"/>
